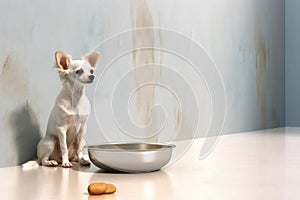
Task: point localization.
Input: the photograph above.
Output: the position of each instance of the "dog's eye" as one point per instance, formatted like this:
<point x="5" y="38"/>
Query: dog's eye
<point x="92" y="71"/>
<point x="79" y="71"/>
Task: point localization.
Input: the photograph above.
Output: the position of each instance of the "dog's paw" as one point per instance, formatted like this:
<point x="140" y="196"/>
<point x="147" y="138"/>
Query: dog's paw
<point x="66" y="164"/>
<point x="84" y="162"/>
<point x="50" y="163"/>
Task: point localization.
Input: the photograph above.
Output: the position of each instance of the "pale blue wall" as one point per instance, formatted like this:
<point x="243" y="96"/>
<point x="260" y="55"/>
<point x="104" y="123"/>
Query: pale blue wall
<point x="245" y="38"/>
<point x="292" y="62"/>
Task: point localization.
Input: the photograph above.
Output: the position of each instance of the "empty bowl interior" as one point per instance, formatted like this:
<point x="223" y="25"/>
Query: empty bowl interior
<point x="131" y="147"/>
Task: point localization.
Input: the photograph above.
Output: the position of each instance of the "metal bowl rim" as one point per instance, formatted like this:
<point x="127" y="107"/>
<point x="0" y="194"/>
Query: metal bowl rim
<point x="164" y="146"/>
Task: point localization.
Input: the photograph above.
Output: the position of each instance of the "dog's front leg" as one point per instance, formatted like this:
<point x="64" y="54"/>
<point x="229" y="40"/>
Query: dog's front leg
<point x="81" y="143"/>
<point x="62" y="137"/>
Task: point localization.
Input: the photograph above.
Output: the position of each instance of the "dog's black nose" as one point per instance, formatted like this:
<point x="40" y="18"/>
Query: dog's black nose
<point x="92" y="77"/>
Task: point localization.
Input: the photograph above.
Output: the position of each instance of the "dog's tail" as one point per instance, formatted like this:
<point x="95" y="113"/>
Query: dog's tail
<point x="30" y="164"/>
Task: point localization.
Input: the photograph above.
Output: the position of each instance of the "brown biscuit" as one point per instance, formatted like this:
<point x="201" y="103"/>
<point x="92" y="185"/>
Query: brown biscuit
<point x="97" y="188"/>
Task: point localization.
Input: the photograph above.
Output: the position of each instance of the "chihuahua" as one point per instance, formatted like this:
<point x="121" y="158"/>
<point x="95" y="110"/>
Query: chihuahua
<point x="67" y="124"/>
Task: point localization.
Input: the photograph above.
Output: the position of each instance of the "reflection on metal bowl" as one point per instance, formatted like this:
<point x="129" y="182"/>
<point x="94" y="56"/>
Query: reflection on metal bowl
<point x="130" y="157"/>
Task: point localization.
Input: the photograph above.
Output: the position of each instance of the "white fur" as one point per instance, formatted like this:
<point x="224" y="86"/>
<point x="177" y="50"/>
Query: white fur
<point x="66" y="129"/>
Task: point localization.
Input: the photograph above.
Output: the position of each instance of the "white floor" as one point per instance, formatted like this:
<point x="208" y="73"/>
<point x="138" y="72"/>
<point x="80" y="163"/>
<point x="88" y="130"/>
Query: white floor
<point x="256" y="165"/>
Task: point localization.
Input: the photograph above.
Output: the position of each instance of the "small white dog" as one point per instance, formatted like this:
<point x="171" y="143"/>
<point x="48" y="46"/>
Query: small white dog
<point x="64" y="140"/>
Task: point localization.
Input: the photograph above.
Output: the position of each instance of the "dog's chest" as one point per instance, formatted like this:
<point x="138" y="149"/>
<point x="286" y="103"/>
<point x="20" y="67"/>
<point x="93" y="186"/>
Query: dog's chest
<point x="76" y="108"/>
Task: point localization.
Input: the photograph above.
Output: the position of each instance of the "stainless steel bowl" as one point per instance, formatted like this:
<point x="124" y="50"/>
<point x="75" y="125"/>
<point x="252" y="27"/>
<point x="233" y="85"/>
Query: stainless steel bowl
<point x="131" y="157"/>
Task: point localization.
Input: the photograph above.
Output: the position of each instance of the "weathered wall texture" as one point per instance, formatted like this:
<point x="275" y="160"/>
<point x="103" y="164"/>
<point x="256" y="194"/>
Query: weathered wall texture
<point x="244" y="38"/>
<point x="292" y="62"/>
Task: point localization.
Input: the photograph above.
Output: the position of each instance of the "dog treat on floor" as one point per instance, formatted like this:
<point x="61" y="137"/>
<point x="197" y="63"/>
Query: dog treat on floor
<point x="101" y="188"/>
<point x="97" y="188"/>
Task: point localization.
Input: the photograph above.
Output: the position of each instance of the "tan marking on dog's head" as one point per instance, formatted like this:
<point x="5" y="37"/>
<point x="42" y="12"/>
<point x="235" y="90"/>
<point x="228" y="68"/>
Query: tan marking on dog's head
<point x="92" y="58"/>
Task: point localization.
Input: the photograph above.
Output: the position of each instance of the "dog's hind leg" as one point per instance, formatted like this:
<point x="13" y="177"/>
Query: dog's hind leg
<point x="45" y="149"/>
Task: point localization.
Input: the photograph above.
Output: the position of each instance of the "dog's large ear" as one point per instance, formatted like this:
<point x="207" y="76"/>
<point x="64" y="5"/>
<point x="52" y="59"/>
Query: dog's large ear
<point x="92" y="58"/>
<point x="62" y="60"/>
